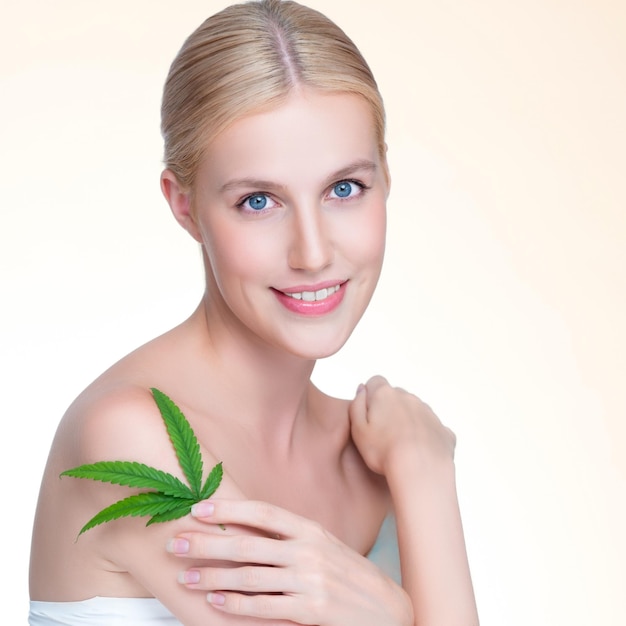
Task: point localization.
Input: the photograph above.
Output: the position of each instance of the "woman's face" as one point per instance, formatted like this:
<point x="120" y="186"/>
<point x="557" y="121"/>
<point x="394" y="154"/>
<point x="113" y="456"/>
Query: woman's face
<point x="289" y="205"/>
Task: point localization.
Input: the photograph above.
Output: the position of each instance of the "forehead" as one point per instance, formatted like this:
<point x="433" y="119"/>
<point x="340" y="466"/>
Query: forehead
<point x="311" y="132"/>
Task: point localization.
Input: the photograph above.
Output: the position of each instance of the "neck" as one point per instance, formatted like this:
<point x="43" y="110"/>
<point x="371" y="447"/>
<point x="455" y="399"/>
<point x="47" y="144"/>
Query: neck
<point x="266" y="390"/>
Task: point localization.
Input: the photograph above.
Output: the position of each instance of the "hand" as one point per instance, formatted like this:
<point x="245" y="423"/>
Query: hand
<point x="400" y="437"/>
<point x="298" y="572"/>
<point x="386" y="421"/>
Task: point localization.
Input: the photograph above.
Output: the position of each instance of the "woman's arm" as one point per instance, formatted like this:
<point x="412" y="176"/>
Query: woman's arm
<point x="400" y="437"/>
<point x="299" y="572"/>
<point x="268" y="568"/>
<point x="125" y="557"/>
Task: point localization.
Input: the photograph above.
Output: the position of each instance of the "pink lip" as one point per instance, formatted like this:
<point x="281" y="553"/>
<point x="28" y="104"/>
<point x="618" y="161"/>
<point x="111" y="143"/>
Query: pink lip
<point x="316" y="287"/>
<point x="316" y="308"/>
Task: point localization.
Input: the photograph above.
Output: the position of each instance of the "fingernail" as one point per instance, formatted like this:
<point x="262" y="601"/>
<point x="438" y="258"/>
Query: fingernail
<point x="203" y="509"/>
<point x="217" y="599"/>
<point x="360" y="388"/>
<point x="177" y="546"/>
<point x="189" y="577"/>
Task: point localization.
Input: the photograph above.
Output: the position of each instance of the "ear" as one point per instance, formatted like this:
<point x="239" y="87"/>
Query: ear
<point x="179" y="200"/>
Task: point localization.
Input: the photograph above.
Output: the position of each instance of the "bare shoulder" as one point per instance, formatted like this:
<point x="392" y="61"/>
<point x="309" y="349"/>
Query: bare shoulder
<point x="117" y="414"/>
<point x="111" y="420"/>
<point x="121" y="422"/>
<point x="114" y="422"/>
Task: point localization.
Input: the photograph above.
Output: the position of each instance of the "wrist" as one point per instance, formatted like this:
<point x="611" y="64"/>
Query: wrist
<point x="408" y="464"/>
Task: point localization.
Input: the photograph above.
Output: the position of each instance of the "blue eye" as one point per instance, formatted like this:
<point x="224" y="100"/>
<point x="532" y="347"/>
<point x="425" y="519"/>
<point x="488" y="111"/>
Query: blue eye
<point x="347" y="190"/>
<point x="343" y="189"/>
<point x="258" y="202"/>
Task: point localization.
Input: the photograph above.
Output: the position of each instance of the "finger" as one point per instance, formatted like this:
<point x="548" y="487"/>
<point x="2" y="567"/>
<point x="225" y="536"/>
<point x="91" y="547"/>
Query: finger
<point x="374" y="384"/>
<point x="237" y="549"/>
<point x="247" y="579"/>
<point x="357" y="409"/>
<point x="376" y="381"/>
<point x="274" y="607"/>
<point x="273" y="520"/>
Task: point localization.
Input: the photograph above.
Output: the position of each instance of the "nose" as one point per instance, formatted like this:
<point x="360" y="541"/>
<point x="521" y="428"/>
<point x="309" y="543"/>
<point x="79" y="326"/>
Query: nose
<point x="311" y="247"/>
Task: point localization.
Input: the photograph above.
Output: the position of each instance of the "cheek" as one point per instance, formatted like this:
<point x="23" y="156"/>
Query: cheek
<point x="367" y="237"/>
<point x="237" y="253"/>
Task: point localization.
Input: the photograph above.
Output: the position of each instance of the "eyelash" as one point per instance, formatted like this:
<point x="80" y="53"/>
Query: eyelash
<point x="362" y="187"/>
<point x="242" y="202"/>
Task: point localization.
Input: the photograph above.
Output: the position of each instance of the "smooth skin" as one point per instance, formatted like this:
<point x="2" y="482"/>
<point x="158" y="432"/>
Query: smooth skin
<point x="308" y="478"/>
<point x="401" y="438"/>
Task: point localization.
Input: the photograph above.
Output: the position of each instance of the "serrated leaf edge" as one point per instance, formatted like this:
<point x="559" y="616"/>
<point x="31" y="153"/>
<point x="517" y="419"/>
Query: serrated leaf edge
<point x="138" y="505"/>
<point x="175" y="513"/>
<point x="183" y="439"/>
<point x="212" y="482"/>
<point x="170" y="505"/>
<point x="132" y="474"/>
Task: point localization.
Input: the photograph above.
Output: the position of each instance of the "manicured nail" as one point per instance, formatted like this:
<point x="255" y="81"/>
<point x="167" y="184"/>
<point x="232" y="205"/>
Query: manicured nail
<point x="177" y="546"/>
<point x="189" y="577"/>
<point x="203" y="509"/>
<point x="216" y="599"/>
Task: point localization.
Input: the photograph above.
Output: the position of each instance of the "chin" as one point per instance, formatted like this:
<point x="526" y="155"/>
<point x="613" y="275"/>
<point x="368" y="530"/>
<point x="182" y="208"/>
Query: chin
<point x="316" y="353"/>
<point x="314" y="347"/>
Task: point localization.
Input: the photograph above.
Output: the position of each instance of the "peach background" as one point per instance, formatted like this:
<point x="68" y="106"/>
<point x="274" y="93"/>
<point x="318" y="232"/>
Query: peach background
<point x="502" y="302"/>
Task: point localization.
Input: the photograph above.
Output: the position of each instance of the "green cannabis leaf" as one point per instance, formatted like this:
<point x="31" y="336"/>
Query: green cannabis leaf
<point x="172" y="498"/>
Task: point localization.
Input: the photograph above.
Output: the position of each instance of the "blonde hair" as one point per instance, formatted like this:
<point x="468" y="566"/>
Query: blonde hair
<point x="247" y="58"/>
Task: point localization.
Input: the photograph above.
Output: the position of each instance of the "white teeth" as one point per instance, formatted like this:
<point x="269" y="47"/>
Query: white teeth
<point x="314" y="296"/>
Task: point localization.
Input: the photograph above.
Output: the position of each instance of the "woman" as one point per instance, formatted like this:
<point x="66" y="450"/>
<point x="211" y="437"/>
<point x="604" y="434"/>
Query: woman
<point x="275" y="164"/>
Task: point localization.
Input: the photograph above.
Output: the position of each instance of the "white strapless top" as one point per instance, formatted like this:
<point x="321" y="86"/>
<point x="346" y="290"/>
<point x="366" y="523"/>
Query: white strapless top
<point x="100" y="611"/>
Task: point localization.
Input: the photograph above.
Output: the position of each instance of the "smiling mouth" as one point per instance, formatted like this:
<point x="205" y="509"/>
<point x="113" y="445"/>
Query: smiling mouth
<point x="313" y="296"/>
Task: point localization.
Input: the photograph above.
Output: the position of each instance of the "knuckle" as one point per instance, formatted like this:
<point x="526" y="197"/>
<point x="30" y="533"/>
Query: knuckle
<point x="416" y="402"/>
<point x="250" y="578"/>
<point x="377" y="379"/>
<point x="385" y="389"/>
<point x="245" y="547"/>
<point x="264" y="606"/>
<point x="234" y="603"/>
<point x="264" y="512"/>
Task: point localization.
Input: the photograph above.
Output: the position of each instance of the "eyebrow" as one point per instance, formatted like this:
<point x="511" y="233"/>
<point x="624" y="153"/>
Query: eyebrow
<point x="357" y="166"/>
<point x="257" y="183"/>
